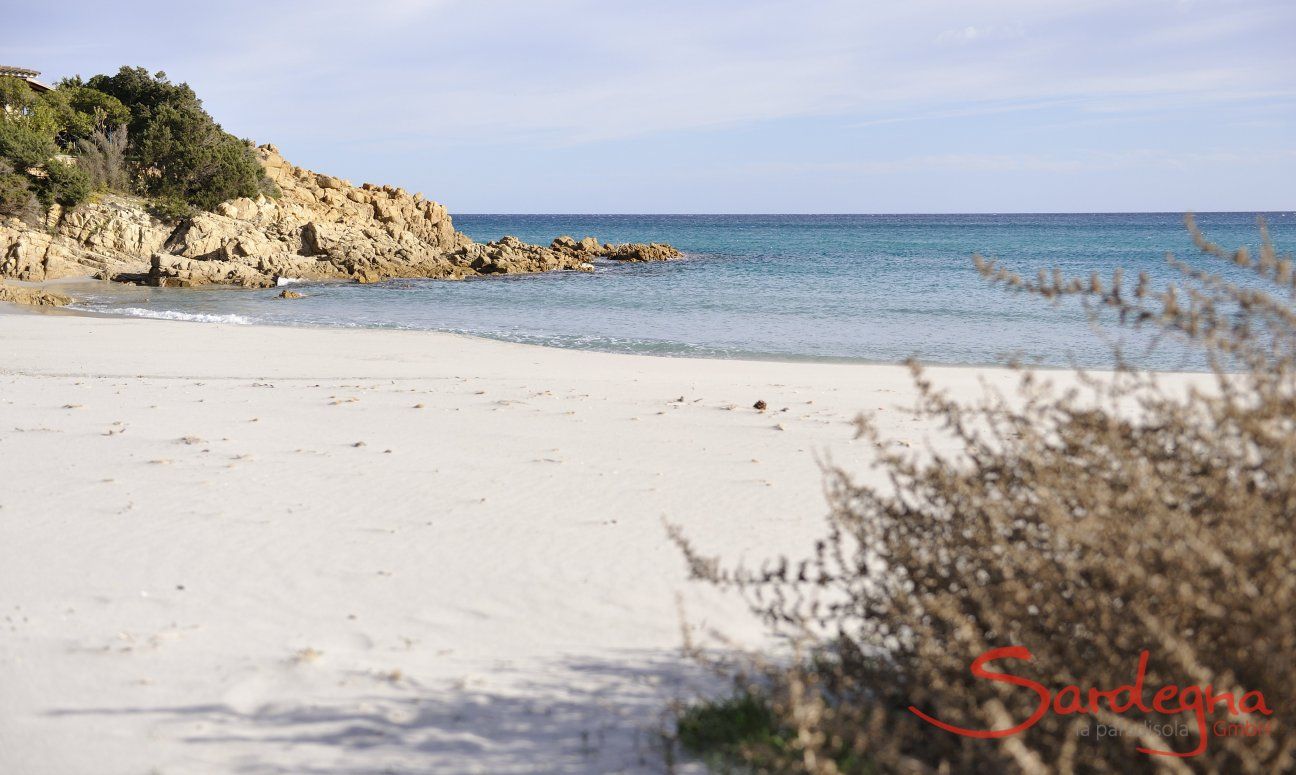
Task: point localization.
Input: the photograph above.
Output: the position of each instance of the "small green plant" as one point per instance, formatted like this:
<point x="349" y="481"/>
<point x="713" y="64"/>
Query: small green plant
<point x="729" y="728"/>
<point x="170" y="209"/>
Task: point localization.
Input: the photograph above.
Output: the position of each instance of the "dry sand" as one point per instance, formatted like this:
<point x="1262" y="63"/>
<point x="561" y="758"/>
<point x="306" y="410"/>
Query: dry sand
<point x="245" y="549"/>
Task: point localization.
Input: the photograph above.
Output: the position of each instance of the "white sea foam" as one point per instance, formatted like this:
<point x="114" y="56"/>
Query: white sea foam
<point x="282" y="281"/>
<point x="166" y="314"/>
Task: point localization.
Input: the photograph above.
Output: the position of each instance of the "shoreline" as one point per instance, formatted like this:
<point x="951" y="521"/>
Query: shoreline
<point x="398" y="550"/>
<point x="73" y="310"/>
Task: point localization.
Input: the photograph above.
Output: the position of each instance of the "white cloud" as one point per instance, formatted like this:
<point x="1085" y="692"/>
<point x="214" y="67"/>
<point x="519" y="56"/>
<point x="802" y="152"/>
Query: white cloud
<point x="583" y="72"/>
<point x="974" y="34"/>
<point x="570" y="71"/>
<point x="416" y="92"/>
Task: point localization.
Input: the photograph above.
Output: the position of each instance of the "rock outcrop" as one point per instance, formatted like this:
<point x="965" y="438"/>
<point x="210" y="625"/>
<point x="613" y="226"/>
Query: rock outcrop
<point x="589" y="249"/>
<point x="36" y="297"/>
<point x="320" y="228"/>
<point x="637" y="251"/>
<point x="111" y="236"/>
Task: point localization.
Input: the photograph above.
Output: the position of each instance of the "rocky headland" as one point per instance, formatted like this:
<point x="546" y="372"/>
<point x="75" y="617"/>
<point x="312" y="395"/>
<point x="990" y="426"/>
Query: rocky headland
<point x="319" y="228"/>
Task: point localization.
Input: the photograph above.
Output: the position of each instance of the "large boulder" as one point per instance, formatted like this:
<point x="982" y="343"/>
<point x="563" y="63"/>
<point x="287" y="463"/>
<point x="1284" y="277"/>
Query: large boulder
<point x="37" y="297"/>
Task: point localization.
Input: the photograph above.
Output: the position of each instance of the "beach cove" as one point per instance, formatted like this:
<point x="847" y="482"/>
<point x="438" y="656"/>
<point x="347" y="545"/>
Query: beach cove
<point x="360" y="550"/>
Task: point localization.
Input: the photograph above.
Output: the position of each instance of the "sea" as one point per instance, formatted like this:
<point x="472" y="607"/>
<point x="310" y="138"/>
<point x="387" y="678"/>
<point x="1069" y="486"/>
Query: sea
<point x="854" y="288"/>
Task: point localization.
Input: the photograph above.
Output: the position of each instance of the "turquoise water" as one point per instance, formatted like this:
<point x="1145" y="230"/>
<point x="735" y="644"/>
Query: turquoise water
<point x="852" y="287"/>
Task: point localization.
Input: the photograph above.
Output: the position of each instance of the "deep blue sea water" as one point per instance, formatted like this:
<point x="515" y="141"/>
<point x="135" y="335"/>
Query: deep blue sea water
<point x="850" y="287"/>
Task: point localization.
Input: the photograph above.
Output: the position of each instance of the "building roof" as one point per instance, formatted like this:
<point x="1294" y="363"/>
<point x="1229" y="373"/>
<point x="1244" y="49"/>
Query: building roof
<point x="25" y="74"/>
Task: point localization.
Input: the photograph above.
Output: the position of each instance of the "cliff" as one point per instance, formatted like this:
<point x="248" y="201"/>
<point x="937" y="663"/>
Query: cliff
<point x="320" y="228"/>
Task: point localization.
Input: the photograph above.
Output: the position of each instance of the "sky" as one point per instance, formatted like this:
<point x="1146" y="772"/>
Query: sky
<point x="853" y="106"/>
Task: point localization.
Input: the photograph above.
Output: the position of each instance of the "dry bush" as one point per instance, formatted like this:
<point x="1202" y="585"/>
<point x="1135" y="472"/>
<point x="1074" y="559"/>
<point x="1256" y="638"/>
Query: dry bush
<point x="1087" y="525"/>
<point x="103" y="156"/>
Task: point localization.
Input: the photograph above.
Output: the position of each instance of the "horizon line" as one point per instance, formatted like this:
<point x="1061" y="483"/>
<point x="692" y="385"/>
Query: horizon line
<point x="934" y="212"/>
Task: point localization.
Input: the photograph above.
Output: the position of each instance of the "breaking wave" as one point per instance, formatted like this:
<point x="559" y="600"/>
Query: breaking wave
<point x="165" y="314"/>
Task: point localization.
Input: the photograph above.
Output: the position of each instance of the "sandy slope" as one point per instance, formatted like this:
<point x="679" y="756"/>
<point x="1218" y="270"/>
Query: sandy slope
<point x="201" y="571"/>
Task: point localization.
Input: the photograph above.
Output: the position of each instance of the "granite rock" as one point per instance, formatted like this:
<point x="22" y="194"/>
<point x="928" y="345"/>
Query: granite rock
<point x="318" y="228"/>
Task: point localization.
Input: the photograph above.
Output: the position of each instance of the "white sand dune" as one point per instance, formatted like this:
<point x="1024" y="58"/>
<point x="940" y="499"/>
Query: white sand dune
<point x="245" y="549"/>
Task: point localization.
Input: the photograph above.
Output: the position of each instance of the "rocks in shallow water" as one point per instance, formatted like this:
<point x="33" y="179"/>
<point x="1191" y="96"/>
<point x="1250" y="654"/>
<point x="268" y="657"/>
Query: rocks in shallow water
<point x="509" y="255"/>
<point x="290" y="295"/>
<point x="638" y="251"/>
<point x="589" y="248"/>
<point x="36" y="297"/>
<point x="171" y="271"/>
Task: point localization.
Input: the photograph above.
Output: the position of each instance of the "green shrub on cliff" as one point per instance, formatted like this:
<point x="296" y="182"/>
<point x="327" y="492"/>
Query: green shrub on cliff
<point x="82" y="111"/>
<point x="28" y="148"/>
<point x="36" y="131"/>
<point x="142" y="93"/>
<point x="16" y="196"/>
<point x="178" y="150"/>
<point x="129" y="132"/>
<point x="24" y="144"/>
<point x="192" y="159"/>
<point x="65" y="184"/>
<point x="20" y="106"/>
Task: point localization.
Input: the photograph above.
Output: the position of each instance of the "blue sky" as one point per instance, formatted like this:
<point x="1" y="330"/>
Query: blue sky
<point x="751" y="106"/>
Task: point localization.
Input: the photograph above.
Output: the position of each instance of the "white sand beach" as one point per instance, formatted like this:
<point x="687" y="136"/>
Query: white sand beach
<point x="252" y="549"/>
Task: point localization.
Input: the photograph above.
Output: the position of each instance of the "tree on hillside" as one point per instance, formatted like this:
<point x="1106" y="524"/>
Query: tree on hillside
<point x="181" y="155"/>
<point x="185" y="156"/>
<point x="36" y="166"/>
<point x="143" y="94"/>
<point x="132" y="132"/>
<point x="84" y="111"/>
